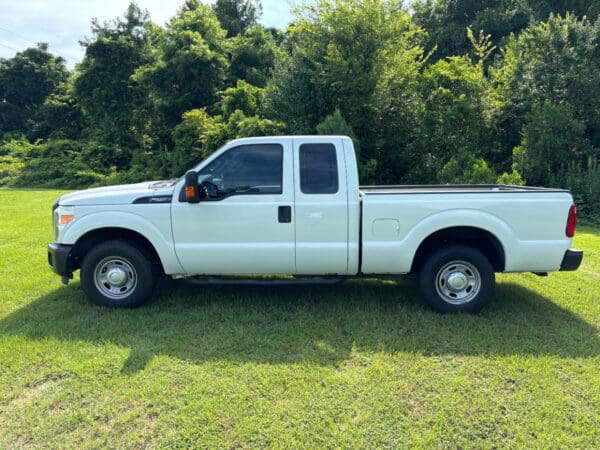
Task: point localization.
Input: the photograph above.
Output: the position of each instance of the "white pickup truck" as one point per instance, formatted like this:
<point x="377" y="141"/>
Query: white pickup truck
<point x="293" y="205"/>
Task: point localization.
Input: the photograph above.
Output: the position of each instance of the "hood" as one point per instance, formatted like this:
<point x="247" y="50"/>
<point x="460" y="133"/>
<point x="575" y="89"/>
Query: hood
<point x="147" y="192"/>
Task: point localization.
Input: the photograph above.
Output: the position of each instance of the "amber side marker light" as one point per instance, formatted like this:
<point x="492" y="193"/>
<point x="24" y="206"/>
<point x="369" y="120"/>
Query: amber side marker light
<point x="190" y="192"/>
<point x="571" y="221"/>
<point x="66" y="218"/>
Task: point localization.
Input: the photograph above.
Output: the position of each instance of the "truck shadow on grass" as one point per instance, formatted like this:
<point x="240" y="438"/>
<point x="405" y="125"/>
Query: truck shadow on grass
<point x="317" y="324"/>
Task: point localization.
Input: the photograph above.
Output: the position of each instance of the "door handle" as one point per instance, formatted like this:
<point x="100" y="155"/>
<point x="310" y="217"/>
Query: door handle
<point x="284" y="214"/>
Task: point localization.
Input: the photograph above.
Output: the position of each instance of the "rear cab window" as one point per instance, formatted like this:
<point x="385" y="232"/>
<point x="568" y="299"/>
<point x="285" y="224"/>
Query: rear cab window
<point x="318" y="169"/>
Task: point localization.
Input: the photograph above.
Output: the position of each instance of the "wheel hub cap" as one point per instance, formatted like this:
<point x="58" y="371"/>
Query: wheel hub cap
<point x="117" y="277"/>
<point x="457" y="281"/>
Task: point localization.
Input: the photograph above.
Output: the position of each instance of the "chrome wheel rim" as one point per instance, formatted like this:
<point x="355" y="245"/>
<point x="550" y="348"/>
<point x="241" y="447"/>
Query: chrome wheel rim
<point x="458" y="282"/>
<point x="115" y="277"/>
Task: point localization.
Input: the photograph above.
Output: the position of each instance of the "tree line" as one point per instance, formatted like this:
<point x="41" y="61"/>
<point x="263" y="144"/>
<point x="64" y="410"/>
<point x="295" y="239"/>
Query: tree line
<point x="438" y="91"/>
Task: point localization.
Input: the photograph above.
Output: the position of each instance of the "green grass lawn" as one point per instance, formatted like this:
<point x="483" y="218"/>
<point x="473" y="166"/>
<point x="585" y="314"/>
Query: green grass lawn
<point x="362" y="364"/>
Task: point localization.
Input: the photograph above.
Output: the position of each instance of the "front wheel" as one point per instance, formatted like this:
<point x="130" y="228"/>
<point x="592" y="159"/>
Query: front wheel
<point x="117" y="273"/>
<point x="457" y="278"/>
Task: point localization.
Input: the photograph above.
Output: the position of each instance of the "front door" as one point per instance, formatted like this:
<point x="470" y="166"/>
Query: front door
<point x="246" y="227"/>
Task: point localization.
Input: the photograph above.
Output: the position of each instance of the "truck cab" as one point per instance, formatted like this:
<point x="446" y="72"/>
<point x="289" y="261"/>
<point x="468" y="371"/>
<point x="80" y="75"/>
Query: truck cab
<point x="294" y="202"/>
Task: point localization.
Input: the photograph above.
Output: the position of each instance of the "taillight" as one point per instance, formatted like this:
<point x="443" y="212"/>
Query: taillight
<point x="571" y="221"/>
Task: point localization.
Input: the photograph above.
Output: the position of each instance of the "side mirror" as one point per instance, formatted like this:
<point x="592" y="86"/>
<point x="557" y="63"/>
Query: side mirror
<point x="191" y="189"/>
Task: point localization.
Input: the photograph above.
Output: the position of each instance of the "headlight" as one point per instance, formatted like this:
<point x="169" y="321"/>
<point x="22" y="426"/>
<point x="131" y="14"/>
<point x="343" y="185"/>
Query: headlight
<point x="63" y="216"/>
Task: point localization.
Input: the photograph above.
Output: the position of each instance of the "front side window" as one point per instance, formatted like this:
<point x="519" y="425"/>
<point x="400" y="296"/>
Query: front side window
<point x="318" y="169"/>
<point x="248" y="169"/>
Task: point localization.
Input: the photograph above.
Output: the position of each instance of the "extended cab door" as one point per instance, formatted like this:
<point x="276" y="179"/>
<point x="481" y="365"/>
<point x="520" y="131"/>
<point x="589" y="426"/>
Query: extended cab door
<point x="247" y="228"/>
<point x="321" y="208"/>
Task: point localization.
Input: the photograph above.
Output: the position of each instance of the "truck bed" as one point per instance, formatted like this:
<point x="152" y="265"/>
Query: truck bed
<point x="451" y="189"/>
<point x="527" y="223"/>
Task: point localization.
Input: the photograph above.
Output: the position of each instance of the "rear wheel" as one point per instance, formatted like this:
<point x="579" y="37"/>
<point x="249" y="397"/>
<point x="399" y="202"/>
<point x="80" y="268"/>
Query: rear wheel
<point x="117" y="273"/>
<point x="457" y="278"/>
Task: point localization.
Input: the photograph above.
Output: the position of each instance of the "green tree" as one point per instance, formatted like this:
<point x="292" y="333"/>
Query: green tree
<point x="337" y="54"/>
<point x="465" y="168"/>
<point x="190" y="143"/>
<point x="237" y="16"/>
<point x="399" y="107"/>
<point x="252" y="56"/>
<point x="239" y="125"/>
<point x="541" y="9"/>
<point x="583" y="179"/>
<point x="26" y="80"/>
<point x="551" y="138"/>
<point x="446" y="20"/>
<point x="513" y="178"/>
<point x="59" y="117"/>
<point x="293" y="98"/>
<point x="190" y="66"/>
<point x="554" y="61"/>
<point x="455" y="117"/>
<point x="335" y="124"/>
<point x="104" y="89"/>
<point x="244" y="97"/>
<point x="344" y="42"/>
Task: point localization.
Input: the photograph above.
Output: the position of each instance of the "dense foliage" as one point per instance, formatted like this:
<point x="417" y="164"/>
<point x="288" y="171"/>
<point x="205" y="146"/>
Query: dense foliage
<point x="441" y="91"/>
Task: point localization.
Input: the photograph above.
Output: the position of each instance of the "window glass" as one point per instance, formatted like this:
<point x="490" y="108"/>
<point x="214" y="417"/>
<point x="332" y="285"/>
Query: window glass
<point x="318" y="169"/>
<point x="248" y="169"/>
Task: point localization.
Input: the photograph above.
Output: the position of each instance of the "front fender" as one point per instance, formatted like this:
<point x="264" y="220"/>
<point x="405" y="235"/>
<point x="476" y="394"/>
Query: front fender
<point x="156" y="229"/>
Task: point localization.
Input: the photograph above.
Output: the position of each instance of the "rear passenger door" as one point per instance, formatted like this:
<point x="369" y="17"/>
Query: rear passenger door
<point x="321" y="207"/>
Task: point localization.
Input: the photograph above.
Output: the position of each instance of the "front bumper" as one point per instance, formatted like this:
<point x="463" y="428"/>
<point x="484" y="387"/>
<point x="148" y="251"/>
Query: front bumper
<point x="59" y="259"/>
<point x="571" y="260"/>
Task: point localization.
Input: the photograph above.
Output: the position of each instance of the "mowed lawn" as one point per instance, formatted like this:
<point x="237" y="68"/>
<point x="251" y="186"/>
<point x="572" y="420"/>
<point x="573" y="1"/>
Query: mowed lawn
<point x="362" y="364"/>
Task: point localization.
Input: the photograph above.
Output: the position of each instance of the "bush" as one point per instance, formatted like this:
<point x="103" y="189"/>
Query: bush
<point x="53" y="164"/>
<point x="465" y="168"/>
<point x="514" y="178"/>
<point x="13" y="155"/>
<point x="551" y="137"/>
<point x="10" y="168"/>
<point x="584" y="183"/>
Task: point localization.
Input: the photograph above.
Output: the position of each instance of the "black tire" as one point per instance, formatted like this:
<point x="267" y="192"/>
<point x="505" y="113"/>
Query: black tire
<point x="457" y="278"/>
<point x="118" y="274"/>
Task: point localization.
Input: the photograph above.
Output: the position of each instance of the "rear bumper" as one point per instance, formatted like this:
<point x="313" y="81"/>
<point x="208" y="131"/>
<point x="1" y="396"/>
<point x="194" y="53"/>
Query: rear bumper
<point x="59" y="259"/>
<point x="571" y="260"/>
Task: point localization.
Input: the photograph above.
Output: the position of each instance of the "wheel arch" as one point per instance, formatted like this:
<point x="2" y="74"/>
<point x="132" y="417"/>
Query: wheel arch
<point x="94" y="237"/>
<point x="474" y="237"/>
